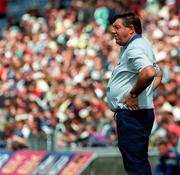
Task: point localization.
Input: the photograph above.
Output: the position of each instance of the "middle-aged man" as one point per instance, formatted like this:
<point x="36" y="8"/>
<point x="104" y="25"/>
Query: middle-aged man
<point x="130" y="92"/>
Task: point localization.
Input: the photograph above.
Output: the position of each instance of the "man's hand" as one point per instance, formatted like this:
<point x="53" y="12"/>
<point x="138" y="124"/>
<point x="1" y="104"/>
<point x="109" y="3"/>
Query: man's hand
<point x="131" y="102"/>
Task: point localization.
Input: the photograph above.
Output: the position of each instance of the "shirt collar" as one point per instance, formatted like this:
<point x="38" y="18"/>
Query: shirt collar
<point x="132" y="39"/>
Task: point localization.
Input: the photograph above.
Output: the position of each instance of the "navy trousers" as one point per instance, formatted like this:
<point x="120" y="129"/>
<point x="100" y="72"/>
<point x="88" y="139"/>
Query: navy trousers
<point x="133" y="129"/>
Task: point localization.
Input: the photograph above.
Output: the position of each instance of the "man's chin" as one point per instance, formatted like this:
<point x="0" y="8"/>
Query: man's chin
<point x="119" y="43"/>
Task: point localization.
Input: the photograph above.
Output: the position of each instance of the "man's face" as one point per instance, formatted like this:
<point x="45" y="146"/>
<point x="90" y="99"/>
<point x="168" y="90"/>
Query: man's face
<point x="121" y="33"/>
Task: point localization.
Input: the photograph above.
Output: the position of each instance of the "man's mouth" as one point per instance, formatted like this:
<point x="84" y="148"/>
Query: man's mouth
<point x="116" y="38"/>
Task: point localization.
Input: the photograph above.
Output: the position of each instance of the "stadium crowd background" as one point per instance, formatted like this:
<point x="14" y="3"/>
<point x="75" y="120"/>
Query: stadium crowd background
<point x="55" y="65"/>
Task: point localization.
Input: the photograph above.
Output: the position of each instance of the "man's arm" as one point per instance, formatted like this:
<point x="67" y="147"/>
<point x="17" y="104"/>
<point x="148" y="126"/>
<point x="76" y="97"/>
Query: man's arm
<point x="157" y="80"/>
<point x="145" y="78"/>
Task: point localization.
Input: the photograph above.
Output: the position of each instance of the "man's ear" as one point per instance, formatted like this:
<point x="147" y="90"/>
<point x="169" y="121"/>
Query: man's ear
<point x="132" y="30"/>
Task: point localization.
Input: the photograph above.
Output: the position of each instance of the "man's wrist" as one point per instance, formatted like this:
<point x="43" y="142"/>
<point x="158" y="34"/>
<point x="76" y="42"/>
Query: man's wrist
<point x="133" y="94"/>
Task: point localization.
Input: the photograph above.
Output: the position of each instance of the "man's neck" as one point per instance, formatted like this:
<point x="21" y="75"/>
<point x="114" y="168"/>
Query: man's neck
<point x="133" y="37"/>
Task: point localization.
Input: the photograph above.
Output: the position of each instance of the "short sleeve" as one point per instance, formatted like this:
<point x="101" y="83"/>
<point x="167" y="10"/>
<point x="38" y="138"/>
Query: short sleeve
<point x="138" y="60"/>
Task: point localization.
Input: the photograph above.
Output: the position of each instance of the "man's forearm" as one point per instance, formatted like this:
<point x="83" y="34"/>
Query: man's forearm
<point x="145" y="78"/>
<point x="157" y="80"/>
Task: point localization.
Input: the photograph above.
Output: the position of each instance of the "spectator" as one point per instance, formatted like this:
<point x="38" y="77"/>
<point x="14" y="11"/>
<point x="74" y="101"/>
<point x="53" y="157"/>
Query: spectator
<point x="95" y="138"/>
<point x="168" y="162"/>
<point x="13" y="139"/>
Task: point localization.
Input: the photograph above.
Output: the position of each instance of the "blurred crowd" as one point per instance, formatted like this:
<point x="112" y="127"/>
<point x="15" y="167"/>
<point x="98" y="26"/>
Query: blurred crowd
<point x="55" y="66"/>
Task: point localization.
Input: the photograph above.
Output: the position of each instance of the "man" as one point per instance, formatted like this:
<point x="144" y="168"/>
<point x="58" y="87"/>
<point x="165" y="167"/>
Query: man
<point x="130" y="93"/>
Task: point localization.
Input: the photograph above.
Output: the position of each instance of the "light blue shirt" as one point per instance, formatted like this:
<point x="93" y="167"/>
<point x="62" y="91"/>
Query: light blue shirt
<point x="135" y="56"/>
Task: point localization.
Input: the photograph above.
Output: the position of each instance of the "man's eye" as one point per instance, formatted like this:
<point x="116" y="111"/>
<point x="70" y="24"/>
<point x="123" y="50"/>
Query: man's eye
<point x="116" y="27"/>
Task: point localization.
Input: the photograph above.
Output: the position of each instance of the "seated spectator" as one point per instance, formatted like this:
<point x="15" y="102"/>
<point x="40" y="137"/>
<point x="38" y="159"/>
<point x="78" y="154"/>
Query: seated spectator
<point x="2" y="140"/>
<point x="168" y="163"/>
<point x="173" y="141"/>
<point x="14" y="140"/>
<point x="96" y="138"/>
<point x="37" y="137"/>
<point x="169" y="125"/>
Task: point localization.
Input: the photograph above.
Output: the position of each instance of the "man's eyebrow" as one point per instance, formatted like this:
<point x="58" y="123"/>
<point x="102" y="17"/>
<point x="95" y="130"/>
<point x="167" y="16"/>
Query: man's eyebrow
<point x="116" y="25"/>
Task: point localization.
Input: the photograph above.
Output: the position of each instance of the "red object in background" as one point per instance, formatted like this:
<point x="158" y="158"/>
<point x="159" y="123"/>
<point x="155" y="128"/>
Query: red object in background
<point x="174" y="129"/>
<point x="3" y="7"/>
<point x="1" y="72"/>
<point x="37" y="92"/>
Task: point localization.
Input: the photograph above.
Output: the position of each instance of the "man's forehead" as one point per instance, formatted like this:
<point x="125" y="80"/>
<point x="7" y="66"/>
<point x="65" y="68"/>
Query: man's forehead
<point x="118" y="22"/>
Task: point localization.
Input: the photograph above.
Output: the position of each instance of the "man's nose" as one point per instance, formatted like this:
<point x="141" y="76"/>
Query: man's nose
<point x="112" y="30"/>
